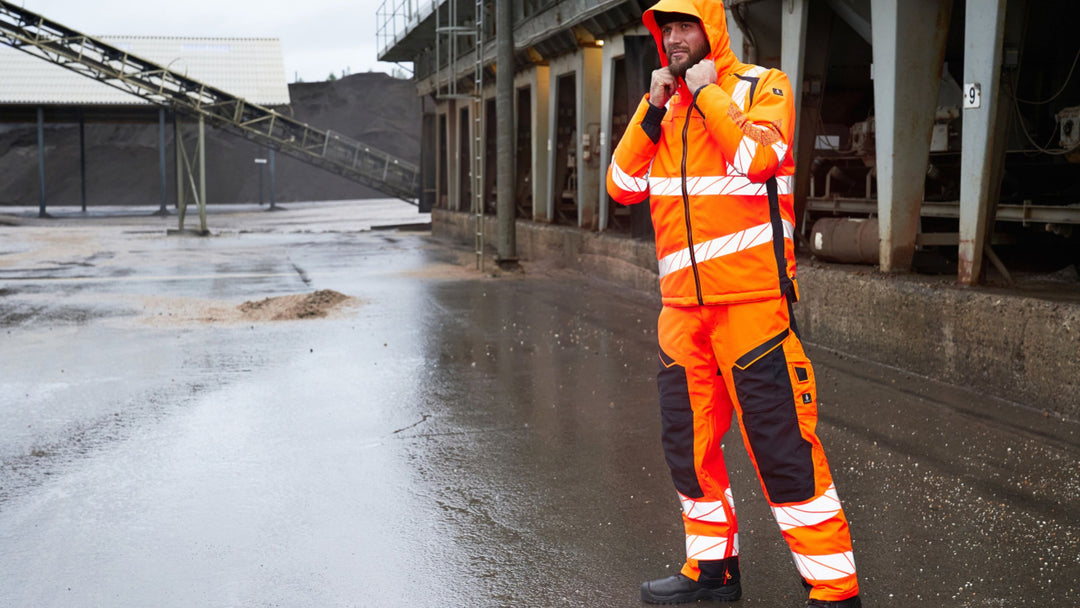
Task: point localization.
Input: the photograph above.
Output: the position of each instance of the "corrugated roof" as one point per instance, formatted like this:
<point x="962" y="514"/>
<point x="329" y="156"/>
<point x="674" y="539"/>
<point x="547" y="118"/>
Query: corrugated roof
<point x="250" y="68"/>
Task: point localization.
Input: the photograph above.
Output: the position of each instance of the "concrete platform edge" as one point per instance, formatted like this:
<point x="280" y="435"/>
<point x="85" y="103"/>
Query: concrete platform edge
<point x="1020" y="349"/>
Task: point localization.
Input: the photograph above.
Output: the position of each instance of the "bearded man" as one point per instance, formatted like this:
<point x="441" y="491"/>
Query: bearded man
<point x="709" y="148"/>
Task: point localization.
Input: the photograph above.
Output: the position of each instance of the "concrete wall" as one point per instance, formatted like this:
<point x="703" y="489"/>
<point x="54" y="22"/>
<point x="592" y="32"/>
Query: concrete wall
<point x="1002" y="345"/>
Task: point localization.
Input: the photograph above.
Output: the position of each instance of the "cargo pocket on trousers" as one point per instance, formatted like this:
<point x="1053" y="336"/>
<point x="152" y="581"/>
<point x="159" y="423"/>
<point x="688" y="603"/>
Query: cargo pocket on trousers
<point x="767" y="399"/>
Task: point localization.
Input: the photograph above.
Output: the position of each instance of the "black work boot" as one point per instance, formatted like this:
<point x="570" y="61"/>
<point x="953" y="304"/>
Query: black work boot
<point x="679" y="589"/>
<point x="851" y="602"/>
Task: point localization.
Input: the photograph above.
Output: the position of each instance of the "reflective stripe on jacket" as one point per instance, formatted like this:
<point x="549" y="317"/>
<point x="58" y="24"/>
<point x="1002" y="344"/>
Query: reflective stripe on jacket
<point x="721" y="237"/>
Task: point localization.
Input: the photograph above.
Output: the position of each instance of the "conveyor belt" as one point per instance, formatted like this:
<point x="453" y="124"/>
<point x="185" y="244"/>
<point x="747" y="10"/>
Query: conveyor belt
<point x="49" y="40"/>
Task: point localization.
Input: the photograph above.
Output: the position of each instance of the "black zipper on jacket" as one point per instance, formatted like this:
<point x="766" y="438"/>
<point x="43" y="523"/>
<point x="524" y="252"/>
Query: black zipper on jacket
<point x="686" y="208"/>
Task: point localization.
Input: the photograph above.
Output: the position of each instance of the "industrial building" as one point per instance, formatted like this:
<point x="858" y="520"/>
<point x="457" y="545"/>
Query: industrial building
<point x="33" y="90"/>
<point x="936" y="133"/>
<point x="186" y="76"/>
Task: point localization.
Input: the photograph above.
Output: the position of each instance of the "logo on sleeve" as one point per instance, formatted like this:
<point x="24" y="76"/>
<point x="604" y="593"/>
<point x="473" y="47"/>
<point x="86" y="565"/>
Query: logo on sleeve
<point x="778" y="92"/>
<point x="806" y="398"/>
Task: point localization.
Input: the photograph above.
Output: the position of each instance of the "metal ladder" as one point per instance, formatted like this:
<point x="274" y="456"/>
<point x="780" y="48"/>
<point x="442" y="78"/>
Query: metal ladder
<point x="334" y="152"/>
<point x="453" y="34"/>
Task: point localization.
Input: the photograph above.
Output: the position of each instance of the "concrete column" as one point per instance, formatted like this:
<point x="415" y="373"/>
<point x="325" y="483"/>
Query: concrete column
<point x="588" y="131"/>
<point x="506" y="237"/>
<point x="909" y="48"/>
<point x="613" y="47"/>
<point x="736" y="39"/>
<point x="552" y="146"/>
<point x="453" y="160"/>
<point x="983" y="34"/>
<point x="541" y="142"/>
<point x="429" y="154"/>
<point x="806" y="66"/>
<point x="552" y="121"/>
<point x="793" y="43"/>
<point x="437" y="148"/>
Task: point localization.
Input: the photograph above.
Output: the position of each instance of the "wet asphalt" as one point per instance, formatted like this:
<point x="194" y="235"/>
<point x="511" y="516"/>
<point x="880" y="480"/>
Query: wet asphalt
<point x="448" y="437"/>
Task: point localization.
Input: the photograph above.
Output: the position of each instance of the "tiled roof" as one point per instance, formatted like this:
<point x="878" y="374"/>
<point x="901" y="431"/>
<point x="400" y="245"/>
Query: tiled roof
<point x="250" y="68"/>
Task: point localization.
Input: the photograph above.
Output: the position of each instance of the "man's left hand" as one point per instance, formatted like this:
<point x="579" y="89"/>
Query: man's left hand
<point x="700" y="74"/>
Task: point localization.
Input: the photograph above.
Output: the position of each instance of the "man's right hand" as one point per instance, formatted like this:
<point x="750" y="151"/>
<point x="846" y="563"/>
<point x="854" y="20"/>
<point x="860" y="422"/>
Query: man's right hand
<point x="662" y="87"/>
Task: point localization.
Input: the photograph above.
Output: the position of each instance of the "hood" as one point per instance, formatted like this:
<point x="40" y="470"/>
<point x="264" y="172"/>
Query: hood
<point x="712" y="17"/>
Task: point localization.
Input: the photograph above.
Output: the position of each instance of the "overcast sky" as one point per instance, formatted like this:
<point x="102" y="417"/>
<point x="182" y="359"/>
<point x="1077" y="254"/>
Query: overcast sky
<point x="317" y="36"/>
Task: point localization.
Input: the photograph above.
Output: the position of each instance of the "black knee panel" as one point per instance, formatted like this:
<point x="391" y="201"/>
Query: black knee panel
<point x="784" y="458"/>
<point x="677" y="419"/>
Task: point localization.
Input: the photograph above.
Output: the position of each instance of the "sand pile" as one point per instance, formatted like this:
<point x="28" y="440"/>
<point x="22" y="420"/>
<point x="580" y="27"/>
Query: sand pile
<point x="286" y="308"/>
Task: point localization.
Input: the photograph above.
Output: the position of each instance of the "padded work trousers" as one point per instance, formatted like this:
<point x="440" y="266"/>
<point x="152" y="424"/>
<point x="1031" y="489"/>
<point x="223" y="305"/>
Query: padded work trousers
<point x="748" y="359"/>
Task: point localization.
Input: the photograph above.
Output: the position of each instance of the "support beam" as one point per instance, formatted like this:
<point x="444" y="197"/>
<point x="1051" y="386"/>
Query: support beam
<point x="588" y="136"/>
<point x="613" y="47"/>
<point x="853" y="13"/>
<point x="453" y="159"/>
<point x="552" y="146"/>
<point x="163" y="209"/>
<point x="909" y="49"/>
<point x="541" y="141"/>
<point x="202" y="175"/>
<point x="429" y="151"/>
<point x="806" y="66"/>
<point x="82" y="159"/>
<point x="793" y="17"/>
<point x="178" y="147"/>
<point x="983" y="34"/>
<point x="273" y="182"/>
<point x="505" y="163"/>
<point x="41" y="160"/>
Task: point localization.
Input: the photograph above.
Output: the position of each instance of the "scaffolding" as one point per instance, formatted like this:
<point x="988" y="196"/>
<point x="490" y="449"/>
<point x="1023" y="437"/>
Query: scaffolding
<point x="450" y="34"/>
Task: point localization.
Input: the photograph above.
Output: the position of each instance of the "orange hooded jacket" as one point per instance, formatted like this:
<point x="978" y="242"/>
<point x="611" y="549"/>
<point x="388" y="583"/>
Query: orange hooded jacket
<point x="718" y="177"/>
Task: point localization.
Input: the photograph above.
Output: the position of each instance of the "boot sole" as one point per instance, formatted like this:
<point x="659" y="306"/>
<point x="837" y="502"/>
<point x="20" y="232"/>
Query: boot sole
<point x="721" y="595"/>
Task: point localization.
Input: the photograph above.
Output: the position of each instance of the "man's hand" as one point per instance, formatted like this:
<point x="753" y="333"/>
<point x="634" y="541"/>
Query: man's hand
<point x="662" y="87"/>
<point x="699" y="75"/>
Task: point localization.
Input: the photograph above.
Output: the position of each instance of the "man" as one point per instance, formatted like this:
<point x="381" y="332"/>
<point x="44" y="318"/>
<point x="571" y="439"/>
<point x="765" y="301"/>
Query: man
<point x="709" y="147"/>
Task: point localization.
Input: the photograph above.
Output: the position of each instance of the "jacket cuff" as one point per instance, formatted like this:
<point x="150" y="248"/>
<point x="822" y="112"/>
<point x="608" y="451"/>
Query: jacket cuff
<point x="651" y="122"/>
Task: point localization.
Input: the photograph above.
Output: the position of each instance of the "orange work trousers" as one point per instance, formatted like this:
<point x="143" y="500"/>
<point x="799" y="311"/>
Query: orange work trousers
<point x="748" y="358"/>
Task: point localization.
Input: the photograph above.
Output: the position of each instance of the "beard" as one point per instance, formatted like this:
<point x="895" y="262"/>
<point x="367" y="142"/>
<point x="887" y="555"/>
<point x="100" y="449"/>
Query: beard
<point x="693" y="56"/>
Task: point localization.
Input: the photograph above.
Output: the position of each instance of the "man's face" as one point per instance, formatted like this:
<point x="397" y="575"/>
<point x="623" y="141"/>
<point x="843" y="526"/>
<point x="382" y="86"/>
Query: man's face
<point x="685" y="44"/>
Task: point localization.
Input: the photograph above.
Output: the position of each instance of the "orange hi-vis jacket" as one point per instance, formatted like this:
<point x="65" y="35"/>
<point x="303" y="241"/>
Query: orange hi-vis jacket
<point x="718" y="171"/>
